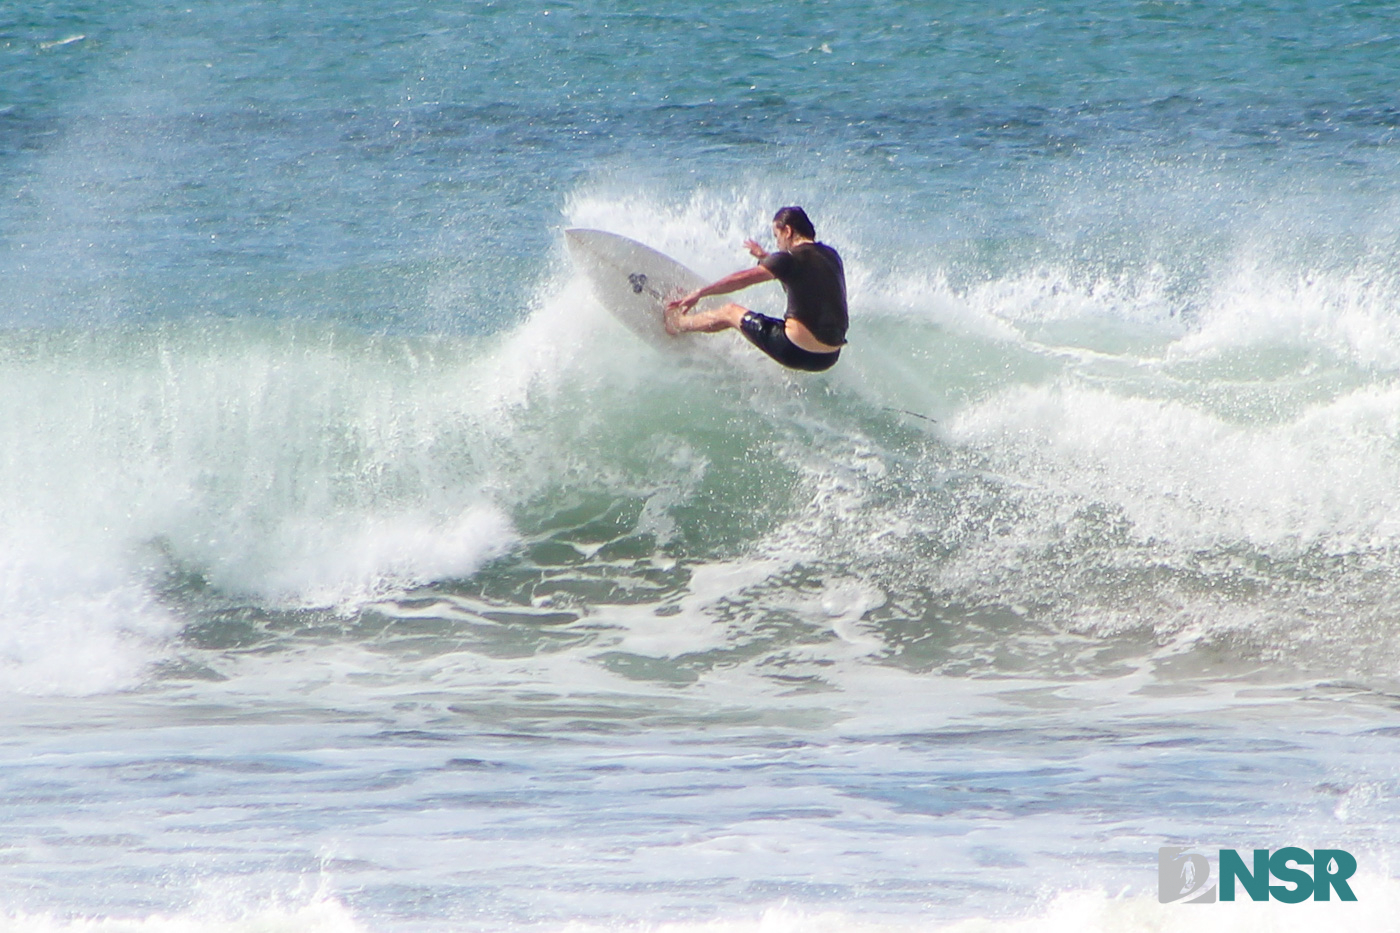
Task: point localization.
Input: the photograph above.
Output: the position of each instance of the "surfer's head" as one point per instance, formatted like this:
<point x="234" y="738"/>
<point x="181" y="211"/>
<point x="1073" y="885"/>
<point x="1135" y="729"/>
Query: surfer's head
<point x="789" y="221"/>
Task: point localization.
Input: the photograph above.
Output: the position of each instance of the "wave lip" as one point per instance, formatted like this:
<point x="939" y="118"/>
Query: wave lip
<point x="345" y="563"/>
<point x="296" y="468"/>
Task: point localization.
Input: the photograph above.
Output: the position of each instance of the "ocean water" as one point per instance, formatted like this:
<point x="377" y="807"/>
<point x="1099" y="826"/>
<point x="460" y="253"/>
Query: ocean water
<point x="358" y="572"/>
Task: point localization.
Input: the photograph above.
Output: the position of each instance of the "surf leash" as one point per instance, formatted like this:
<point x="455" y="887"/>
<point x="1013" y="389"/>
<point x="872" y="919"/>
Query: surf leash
<point x="905" y="411"/>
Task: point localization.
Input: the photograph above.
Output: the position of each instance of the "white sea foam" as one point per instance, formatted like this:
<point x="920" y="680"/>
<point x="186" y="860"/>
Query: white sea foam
<point x="1072" y="911"/>
<point x="348" y="561"/>
<point x="1347" y="314"/>
<point x="1075" y="911"/>
<point x="1188" y="478"/>
<point x="705" y="231"/>
<point x="323" y="915"/>
<point x="71" y="620"/>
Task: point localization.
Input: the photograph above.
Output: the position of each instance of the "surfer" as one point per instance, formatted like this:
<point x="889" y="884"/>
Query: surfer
<point x="811" y="334"/>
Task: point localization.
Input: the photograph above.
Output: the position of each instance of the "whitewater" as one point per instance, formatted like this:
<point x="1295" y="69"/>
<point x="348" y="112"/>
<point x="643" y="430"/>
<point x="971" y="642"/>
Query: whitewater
<point x="359" y="572"/>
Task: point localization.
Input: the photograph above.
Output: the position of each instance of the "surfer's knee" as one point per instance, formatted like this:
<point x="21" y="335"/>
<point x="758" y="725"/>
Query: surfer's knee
<point x="732" y="314"/>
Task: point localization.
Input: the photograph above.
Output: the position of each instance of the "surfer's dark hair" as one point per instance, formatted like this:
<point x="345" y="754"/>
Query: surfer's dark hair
<point x="796" y="218"/>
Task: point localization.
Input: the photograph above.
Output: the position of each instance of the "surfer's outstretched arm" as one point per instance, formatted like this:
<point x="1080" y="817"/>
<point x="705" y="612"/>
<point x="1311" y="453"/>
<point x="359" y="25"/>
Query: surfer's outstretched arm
<point x="730" y="283"/>
<point x="679" y="318"/>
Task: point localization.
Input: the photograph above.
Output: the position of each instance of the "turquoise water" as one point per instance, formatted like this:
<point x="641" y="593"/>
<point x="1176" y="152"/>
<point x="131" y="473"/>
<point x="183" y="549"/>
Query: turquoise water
<point x="359" y="572"/>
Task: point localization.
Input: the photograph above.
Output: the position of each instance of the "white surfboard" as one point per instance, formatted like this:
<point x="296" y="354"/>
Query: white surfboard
<point x="634" y="282"/>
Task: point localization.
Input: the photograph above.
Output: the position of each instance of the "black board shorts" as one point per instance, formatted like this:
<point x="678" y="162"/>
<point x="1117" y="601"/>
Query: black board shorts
<point x="770" y="335"/>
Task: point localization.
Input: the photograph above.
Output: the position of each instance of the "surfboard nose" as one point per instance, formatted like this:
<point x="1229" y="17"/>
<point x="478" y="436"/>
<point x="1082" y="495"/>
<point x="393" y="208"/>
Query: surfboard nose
<point x="576" y="239"/>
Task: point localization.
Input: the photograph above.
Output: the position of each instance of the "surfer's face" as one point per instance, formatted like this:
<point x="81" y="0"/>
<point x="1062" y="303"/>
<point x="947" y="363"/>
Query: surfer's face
<point x="783" y="234"/>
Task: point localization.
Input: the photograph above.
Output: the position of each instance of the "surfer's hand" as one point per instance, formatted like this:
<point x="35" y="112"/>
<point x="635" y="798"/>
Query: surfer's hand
<point x="756" y="251"/>
<point x="683" y="305"/>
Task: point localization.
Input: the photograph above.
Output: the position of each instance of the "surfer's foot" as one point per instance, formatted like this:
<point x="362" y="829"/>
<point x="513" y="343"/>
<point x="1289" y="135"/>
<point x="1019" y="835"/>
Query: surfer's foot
<point x="671" y="318"/>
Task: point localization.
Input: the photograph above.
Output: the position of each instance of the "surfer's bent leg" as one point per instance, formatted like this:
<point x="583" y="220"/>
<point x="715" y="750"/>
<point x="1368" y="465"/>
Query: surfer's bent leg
<point x="705" y="322"/>
<point x="770" y="335"/>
